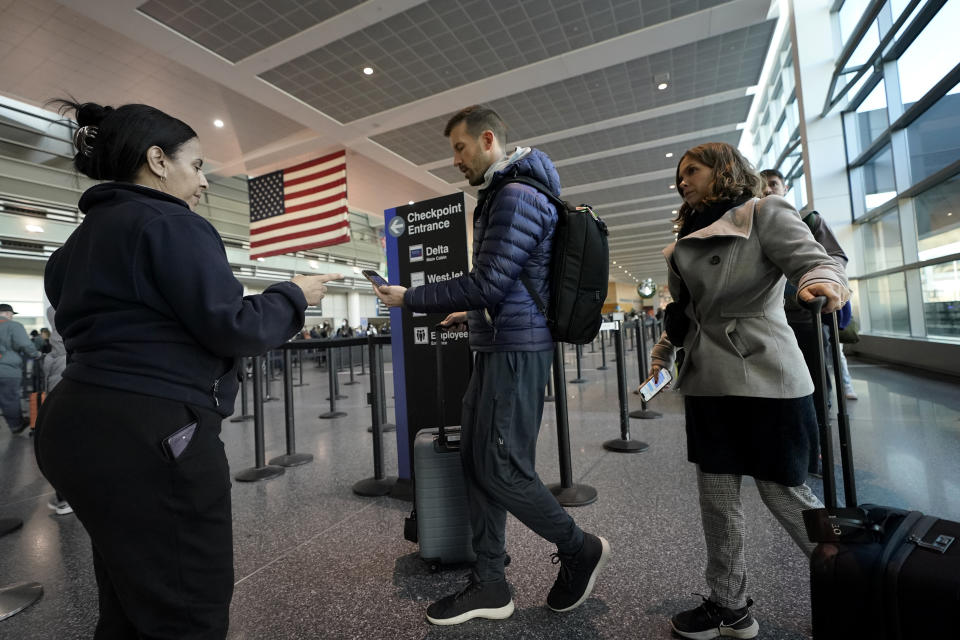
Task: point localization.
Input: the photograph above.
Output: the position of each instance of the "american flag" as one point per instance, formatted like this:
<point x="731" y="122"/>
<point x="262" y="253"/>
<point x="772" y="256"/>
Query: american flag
<point x="303" y="207"/>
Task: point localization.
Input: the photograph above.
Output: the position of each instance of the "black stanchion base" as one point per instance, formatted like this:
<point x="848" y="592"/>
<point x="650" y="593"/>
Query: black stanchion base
<point x="384" y="428"/>
<point x="372" y="487"/>
<point x="241" y="418"/>
<point x="269" y="399"/>
<point x="332" y="414"/>
<point x="339" y="397"/>
<point x="9" y="525"/>
<point x="291" y="459"/>
<point x="602" y="368"/>
<point x="578" y="495"/>
<point x="349" y="383"/>
<point x="549" y="399"/>
<point x="625" y="446"/>
<point x="402" y="490"/>
<point x="578" y="381"/>
<point x="645" y="414"/>
<point x="302" y="384"/>
<point x="253" y="474"/>
<point x="17" y="597"/>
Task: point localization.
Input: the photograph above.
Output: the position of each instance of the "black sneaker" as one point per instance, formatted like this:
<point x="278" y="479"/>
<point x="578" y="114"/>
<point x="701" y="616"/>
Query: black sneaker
<point x="477" y="600"/>
<point x="710" y="620"/>
<point x="578" y="573"/>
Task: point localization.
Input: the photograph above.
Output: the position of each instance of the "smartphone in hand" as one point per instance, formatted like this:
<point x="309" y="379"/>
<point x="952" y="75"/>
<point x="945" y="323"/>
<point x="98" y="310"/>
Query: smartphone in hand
<point x="374" y="278"/>
<point x="653" y="386"/>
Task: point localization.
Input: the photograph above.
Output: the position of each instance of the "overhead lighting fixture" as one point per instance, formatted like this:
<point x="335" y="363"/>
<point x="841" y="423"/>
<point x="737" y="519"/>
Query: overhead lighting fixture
<point x="259" y="259"/>
<point x="368" y="71"/>
<point x="411" y="202"/>
<point x="313" y="264"/>
<point x="668" y="154"/>
<point x="35" y="228"/>
<point x="614" y="262"/>
<point x="673" y="211"/>
<point x="672" y="186"/>
<point x="662" y="80"/>
<point x="218" y="123"/>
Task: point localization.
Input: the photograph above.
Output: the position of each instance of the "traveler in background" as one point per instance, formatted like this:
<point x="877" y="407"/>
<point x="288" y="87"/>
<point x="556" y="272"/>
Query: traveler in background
<point x="53" y="365"/>
<point x="503" y="404"/>
<point x="774" y="184"/>
<point x="747" y="396"/>
<point x="14" y="343"/>
<point x="153" y="321"/>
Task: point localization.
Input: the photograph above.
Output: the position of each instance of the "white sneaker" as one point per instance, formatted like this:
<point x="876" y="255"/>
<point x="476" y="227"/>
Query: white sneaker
<point x="850" y="393"/>
<point x="61" y="508"/>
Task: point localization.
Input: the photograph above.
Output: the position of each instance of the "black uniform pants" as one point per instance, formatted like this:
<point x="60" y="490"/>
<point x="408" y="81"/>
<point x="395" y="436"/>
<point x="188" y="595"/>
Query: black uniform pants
<point x="502" y="408"/>
<point x="161" y="528"/>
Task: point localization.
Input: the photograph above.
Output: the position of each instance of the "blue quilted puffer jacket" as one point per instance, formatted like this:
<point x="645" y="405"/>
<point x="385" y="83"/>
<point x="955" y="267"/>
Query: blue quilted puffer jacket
<point x="513" y="236"/>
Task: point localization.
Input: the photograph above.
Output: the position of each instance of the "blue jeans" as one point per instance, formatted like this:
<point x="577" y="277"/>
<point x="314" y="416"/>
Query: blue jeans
<point x="501" y="415"/>
<point x="10" y="402"/>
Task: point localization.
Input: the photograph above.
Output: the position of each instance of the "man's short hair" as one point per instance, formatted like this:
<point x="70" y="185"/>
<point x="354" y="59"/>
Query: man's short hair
<point x="769" y="173"/>
<point x="479" y="118"/>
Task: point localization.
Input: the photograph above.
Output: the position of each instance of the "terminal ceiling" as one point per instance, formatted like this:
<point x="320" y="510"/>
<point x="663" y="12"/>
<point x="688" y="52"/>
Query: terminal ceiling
<point x="575" y="78"/>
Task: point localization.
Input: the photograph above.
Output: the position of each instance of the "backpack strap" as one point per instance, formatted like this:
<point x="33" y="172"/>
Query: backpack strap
<point x="555" y="201"/>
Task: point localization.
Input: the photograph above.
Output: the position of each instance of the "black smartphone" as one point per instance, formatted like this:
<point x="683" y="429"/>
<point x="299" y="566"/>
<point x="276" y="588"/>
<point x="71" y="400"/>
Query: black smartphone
<point x="176" y="444"/>
<point x="374" y="277"/>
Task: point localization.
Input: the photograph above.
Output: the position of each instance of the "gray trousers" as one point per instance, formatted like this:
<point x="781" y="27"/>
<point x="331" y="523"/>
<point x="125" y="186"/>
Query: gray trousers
<point x="723" y="529"/>
<point x="502" y="408"/>
<point x="10" y="402"/>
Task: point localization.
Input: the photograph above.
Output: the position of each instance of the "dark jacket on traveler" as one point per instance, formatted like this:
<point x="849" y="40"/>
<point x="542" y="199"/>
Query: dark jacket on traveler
<point x="14" y="341"/>
<point x="512" y="234"/>
<point x="146" y="301"/>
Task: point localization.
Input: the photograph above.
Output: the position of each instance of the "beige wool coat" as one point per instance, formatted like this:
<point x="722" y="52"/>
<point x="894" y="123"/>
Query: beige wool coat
<point x="739" y="343"/>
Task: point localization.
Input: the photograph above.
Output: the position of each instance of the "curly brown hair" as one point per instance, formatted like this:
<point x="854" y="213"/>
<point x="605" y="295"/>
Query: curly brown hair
<point x="733" y="176"/>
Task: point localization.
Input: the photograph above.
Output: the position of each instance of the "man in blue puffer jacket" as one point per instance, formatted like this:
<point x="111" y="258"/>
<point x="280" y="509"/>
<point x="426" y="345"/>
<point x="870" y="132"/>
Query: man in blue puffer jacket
<point x="503" y="404"/>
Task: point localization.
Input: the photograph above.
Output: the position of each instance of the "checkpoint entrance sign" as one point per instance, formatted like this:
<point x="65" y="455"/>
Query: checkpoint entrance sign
<point x="426" y="244"/>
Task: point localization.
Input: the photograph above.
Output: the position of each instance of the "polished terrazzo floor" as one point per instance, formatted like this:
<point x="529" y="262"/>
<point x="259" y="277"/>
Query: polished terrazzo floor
<point x="313" y="560"/>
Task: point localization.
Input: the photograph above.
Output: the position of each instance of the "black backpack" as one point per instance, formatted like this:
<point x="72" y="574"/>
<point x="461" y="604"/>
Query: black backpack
<point x="579" y="269"/>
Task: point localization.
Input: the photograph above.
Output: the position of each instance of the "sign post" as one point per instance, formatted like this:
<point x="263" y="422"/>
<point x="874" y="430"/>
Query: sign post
<point x="426" y="243"/>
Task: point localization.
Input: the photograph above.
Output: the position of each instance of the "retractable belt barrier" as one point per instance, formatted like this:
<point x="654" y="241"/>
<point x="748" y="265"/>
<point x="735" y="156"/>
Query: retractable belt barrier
<point x="379" y="484"/>
<point x="567" y="493"/>
<point x="643" y="367"/>
<point x="623" y="444"/>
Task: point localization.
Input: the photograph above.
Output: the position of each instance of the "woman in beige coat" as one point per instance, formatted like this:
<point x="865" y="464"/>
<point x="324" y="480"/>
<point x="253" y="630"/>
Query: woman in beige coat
<point x="747" y="392"/>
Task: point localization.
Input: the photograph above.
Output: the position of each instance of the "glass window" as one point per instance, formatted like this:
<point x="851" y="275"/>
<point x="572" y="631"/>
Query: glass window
<point x="876" y="176"/>
<point x="886" y="298"/>
<point x="868" y="44"/>
<point x="931" y="55"/>
<point x="938" y="220"/>
<point x="933" y="139"/>
<point x="880" y="239"/>
<point x="850" y="14"/>
<point x="868" y="121"/>
<point x="941" y="298"/>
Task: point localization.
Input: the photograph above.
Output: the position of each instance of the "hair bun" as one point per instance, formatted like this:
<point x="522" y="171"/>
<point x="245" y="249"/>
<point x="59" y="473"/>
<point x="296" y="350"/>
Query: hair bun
<point x="91" y="114"/>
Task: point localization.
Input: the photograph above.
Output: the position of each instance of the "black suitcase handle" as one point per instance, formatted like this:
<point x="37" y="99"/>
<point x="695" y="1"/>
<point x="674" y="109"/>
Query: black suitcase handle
<point x="442" y="438"/>
<point x="815" y="307"/>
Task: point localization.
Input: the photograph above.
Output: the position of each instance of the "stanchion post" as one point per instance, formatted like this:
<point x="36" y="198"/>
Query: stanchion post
<point x="333" y="362"/>
<point x="579" y="379"/>
<point x="300" y="382"/>
<point x="265" y="372"/>
<point x="378" y="485"/>
<point x="382" y="389"/>
<point x="567" y="493"/>
<point x="350" y="361"/>
<point x="603" y="355"/>
<point x="243" y="394"/>
<point x="261" y="470"/>
<point x="643" y="413"/>
<point x="291" y="458"/>
<point x="623" y="444"/>
<point x="332" y="384"/>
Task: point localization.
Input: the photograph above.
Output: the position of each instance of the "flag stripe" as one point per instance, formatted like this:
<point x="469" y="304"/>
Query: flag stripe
<point x="317" y="213"/>
<point x="296" y="222"/>
<point x="301" y="207"/>
<point x="299" y="234"/>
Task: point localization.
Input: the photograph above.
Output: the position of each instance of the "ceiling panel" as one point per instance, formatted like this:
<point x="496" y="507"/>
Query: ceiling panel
<point x="439" y="45"/>
<point x="627" y="192"/>
<point x="236" y="29"/>
<point x="708" y="66"/>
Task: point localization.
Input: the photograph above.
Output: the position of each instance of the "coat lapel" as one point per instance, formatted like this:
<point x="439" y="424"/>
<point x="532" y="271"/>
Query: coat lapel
<point x="737" y="222"/>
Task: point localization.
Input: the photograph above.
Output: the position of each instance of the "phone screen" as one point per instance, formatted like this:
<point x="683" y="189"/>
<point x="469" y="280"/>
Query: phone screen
<point x="374" y="277"/>
<point x="651" y="386"/>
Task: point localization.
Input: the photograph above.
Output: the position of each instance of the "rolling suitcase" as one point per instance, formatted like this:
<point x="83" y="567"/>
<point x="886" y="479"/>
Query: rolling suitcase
<point x="878" y="572"/>
<point x="440" y="522"/>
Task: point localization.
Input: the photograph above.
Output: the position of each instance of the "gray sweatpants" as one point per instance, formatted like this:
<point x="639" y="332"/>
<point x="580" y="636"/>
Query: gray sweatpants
<point x="502" y="408"/>
<point x="723" y="529"/>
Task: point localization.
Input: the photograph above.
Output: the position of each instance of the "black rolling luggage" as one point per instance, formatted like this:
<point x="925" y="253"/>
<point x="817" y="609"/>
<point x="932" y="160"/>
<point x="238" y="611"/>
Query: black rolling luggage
<point x="878" y="572"/>
<point x="440" y="522"/>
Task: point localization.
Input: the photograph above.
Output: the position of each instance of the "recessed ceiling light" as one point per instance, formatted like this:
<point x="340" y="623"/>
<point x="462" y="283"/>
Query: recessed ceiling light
<point x="368" y="71"/>
<point x="259" y="259"/>
<point x="614" y="262"/>
<point x="35" y="228"/>
<point x="662" y="80"/>
<point x="313" y="264"/>
<point x="411" y="202"/>
<point x="218" y="123"/>
<point x="672" y="186"/>
<point x="949" y="213"/>
<point x="673" y="211"/>
<point x="669" y="154"/>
